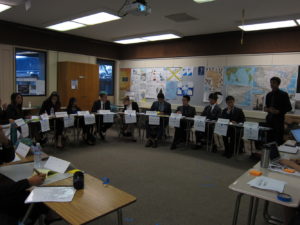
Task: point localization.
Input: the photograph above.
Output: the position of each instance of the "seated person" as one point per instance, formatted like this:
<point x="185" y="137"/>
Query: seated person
<point x="14" y="109"/>
<point x="235" y="115"/>
<point x="86" y="129"/>
<point x="3" y="119"/>
<point x="50" y="106"/>
<point x="154" y="132"/>
<point x="128" y="129"/>
<point x="101" y="104"/>
<point x="187" y="111"/>
<point x="211" y="112"/>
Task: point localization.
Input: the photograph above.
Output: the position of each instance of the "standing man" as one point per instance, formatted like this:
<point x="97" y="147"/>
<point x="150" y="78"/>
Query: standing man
<point x="187" y="111"/>
<point x="277" y="105"/>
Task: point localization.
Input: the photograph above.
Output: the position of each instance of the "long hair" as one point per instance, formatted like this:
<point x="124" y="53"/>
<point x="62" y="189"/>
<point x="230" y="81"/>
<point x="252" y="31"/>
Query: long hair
<point x="13" y="99"/>
<point x="71" y="102"/>
<point x="54" y="94"/>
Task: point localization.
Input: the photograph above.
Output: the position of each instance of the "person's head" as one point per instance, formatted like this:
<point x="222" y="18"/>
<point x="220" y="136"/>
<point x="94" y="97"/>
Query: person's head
<point x="103" y="96"/>
<point x="213" y="98"/>
<point x="230" y="101"/>
<point x="16" y="99"/>
<point x="161" y="97"/>
<point x="54" y="98"/>
<point x="72" y="102"/>
<point x="275" y="82"/>
<point x="186" y="99"/>
<point x="126" y="100"/>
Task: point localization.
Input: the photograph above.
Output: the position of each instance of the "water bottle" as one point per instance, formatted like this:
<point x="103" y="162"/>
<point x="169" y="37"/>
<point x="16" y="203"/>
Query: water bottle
<point x="265" y="159"/>
<point x="52" y="111"/>
<point x="37" y="151"/>
<point x="29" y="105"/>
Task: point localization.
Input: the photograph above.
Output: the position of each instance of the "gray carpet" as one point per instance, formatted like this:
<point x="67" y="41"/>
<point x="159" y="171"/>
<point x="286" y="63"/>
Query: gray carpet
<point x="181" y="187"/>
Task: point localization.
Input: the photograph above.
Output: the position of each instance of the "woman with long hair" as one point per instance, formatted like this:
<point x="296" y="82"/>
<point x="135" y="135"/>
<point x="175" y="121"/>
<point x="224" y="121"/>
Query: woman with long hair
<point x="14" y="109"/>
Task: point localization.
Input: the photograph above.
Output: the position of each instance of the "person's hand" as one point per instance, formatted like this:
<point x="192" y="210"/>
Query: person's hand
<point x="287" y="162"/>
<point x="37" y="180"/>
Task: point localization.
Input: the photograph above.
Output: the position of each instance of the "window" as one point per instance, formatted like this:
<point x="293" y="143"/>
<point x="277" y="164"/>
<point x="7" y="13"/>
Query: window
<point x="30" y="72"/>
<point x="106" y="76"/>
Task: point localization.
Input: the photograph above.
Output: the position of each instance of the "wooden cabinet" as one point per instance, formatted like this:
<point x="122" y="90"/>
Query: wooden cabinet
<point x="87" y="78"/>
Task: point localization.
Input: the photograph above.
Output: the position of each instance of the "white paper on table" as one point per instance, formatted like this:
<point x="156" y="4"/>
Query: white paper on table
<point x="89" y="119"/>
<point x="174" y="120"/>
<point x="44" y="116"/>
<point x="56" y="164"/>
<point x="199" y="123"/>
<point x="103" y="112"/>
<point x="267" y="183"/>
<point x="82" y="113"/>
<point x="22" y="149"/>
<point x="69" y="121"/>
<point x="130" y="118"/>
<point x="17" y="158"/>
<point x="35" y="117"/>
<point x="251" y="131"/>
<point x="20" y="122"/>
<point x="151" y="113"/>
<point x="45" y="125"/>
<point x="51" y="194"/>
<point x="61" y="114"/>
<point x="131" y="112"/>
<point x="25" y="131"/>
<point x="154" y="120"/>
<point x="108" y="118"/>
<point x="221" y="127"/>
<point x="288" y="149"/>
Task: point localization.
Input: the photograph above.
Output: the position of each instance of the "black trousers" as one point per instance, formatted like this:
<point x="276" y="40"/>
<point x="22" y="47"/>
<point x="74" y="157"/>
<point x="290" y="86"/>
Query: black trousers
<point x="232" y="140"/>
<point x="209" y="132"/>
<point x="101" y="126"/>
<point x="156" y="131"/>
<point x="181" y="132"/>
<point x="86" y="129"/>
<point x="277" y="132"/>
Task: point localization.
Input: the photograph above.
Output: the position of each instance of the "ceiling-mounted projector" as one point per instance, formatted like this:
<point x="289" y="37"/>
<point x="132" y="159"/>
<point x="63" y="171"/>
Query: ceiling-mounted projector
<point x="137" y="8"/>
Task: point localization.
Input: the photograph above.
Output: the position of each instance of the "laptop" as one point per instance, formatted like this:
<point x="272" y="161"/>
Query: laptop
<point x="296" y="135"/>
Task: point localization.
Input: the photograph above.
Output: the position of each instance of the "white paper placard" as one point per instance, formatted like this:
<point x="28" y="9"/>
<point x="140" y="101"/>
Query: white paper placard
<point x="174" y="120"/>
<point x="69" y="121"/>
<point x="19" y="122"/>
<point x="221" y="127"/>
<point x="199" y="123"/>
<point x="89" y="119"/>
<point x="103" y="112"/>
<point x="131" y="112"/>
<point x="151" y="113"/>
<point x="130" y="118"/>
<point x="45" y="125"/>
<point x="56" y="164"/>
<point x="108" y="118"/>
<point x="154" y="120"/>
<point x="61" y="114"/>
<point x="25" y="131"/>
<point x="22" y="149"/>
<point x="251" y="131"/>
<point x="82" y="113"/>
<point x="51" y="194"/>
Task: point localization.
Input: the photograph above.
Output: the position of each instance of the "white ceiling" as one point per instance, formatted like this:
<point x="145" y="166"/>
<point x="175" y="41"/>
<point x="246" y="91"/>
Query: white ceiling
<point x="218" y="16"/>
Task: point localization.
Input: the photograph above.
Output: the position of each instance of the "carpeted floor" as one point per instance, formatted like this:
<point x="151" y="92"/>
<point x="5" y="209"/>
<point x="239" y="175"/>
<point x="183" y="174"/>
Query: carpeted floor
<point x="181" y="187"/>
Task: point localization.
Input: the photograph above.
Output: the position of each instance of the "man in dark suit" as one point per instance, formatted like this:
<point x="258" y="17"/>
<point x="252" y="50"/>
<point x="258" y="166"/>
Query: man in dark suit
<point x="101" y="104"/>
<point x="187" y="111"/>
<point x="128" y="129"/>
<point x="277" y="105"/>
<point x="156" y="132"/>
<point x="211" y="112"/>
<point x="236" y="116"/>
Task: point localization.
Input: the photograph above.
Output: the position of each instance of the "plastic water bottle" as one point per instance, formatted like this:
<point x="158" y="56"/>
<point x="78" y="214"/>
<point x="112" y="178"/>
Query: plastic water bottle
<point x="37" y="151"/>
<point x="29" y="105"/>
<point x="52" y="111"/>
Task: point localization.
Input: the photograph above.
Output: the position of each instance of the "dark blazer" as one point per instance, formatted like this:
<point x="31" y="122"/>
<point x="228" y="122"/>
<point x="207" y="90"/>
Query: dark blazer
<point x="212" y="115"/>
<point x="97" y="105"/>
<point x="134" y="106"/>
<point x="13" y="112"/>
<point x="46" y="107"/>
<point x="167" y="107"/>
<point x="236" y="115"/>
<point x="188" y="111"/>
<point x="73" y="110"/>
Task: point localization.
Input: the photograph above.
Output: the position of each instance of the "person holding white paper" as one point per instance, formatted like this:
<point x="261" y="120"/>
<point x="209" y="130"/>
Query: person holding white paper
<point x="187" y="111"/>
<point x="87" y="135"/>
<point x="235" y="115"/>
<point x="128" y="129"/>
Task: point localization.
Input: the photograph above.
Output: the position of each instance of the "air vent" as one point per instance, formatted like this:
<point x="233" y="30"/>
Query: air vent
<point x="181" y="17"/>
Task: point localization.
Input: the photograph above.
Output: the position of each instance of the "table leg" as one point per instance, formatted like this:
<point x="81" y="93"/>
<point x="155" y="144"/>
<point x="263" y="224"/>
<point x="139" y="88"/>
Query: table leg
<point x="256" y="201"/>
<point x="268" y="218"/>
<point x="207" y="138"/>
<point x="120" y="217"/>
<point x="250" y="211"/>
<point x="236" y="209"/>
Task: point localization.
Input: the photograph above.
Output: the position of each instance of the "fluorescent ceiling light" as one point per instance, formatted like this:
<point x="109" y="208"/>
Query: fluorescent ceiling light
<point x="69" y="25"/>
<point x="270" y="25"/>
<point x="4" y="7"/>
<point x="203" y="1"/>
<point x="96" y="18"/>
<point x="131" y="41"/>
<point x="160" y="37"/>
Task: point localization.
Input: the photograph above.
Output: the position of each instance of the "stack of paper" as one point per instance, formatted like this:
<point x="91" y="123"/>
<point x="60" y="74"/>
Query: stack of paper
<point x="288" y="149"/>
<point x="51" y="194"/>
<point x="267" y="183"/>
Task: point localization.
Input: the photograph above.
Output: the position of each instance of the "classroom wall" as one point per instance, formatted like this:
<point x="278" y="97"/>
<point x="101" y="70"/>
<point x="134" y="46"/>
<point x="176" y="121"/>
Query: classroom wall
<point x="221" y="60"/>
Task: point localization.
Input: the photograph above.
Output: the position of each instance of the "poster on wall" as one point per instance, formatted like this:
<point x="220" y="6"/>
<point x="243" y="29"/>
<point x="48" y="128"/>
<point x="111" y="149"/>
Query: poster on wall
<point x="125" y="74"/>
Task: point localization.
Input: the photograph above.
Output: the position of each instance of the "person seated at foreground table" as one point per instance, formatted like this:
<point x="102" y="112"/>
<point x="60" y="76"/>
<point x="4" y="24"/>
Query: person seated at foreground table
<point x="211" y="112"/>
<point x="13" y="194"/>
<point x="128" y="129"/>
<point x="50" y="106"/>
<point x="187" y="111"/>
<point x="154" y="132"/>
<point x="14" y="110"/>
<point x="101" y="104"/>
<point x="235" y="116"/>
<point x="88" y="137"/>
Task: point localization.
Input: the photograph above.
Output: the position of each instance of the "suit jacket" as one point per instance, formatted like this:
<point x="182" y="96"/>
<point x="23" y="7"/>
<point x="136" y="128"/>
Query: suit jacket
<point x="167" y="107"/>
<point x="13" y="112"/>
<point x="97" y="105"/>
<point x="134" y="106"/>
<point x="188" y="111"/>
<point x="236" y="115"/>
<point x="212" y="114"/>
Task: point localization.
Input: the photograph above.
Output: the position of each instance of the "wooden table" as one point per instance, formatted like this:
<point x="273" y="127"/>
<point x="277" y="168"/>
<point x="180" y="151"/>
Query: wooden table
<point x="27" y="159"/>
<point x="94" y="201"/>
